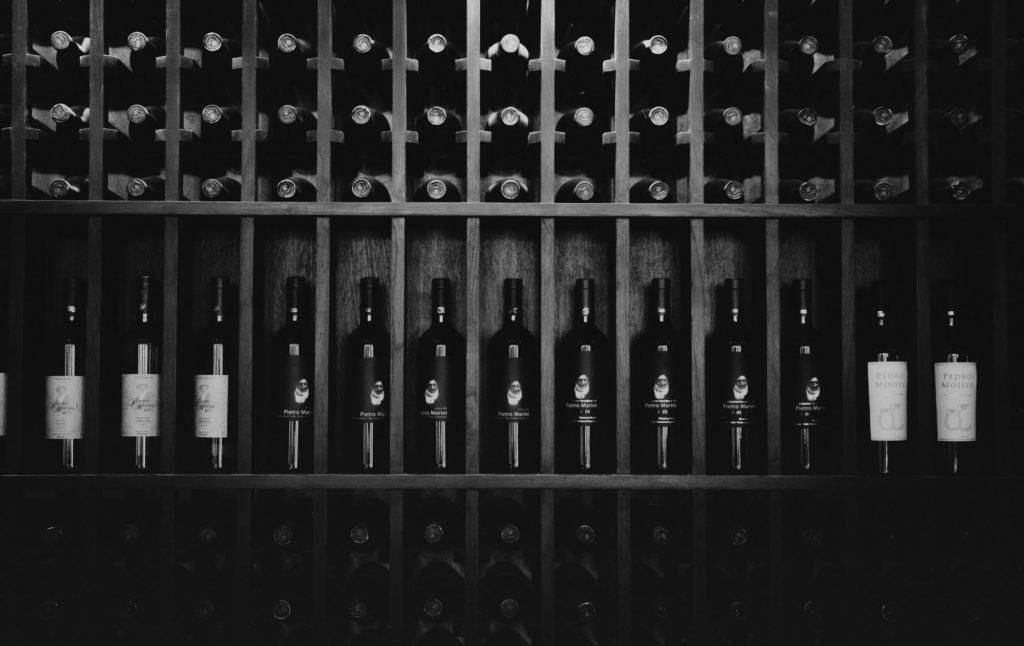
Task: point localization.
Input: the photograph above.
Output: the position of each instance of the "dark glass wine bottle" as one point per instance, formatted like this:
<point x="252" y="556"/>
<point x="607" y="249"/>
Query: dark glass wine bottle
<point x="70" y="188"/>
<point x="369" y="378"/>
<point x="734" y="392"/>
<point x="504" y="524"/>
<point x="212" y="382"/>
<point x="439" y="592"/>
<point x="650" y="190"/>
<point x="577" y="595"/>
<point x="655" y="61"/>
<point x="437" y="190"/>
<point x="144" y="121"/>
<point x="145" y="188"/>
<point x="367" y="189"/>
<point x="295" y="189"/>
<point x="661" y="378"/>
<point x="578" y="528"/>
<point x="293" y="125"/>
<point x="585" y="387"/>
<point x="807" y="393"/>
<point x="363" y="61"/>
<point x="292" y="396"/>
<point x="723" y="191"/>
<point x="440" y="388"/>
<point x="578" y="189"/>
<point x="69" y="120"/>
<point x="514" y="366"/>
<point x="366" y="594"/>
<point x="65" y="391"/>
<point x="369" y="528"/>
<point x="583" y="64"/>
<point x="887" y="387"/>
<point x="436" y="129"/>
<point x="956" y="384"/>
<point x="655" y="127"/>
<point x="507" y="593"/>
<point x="582" y="134"/>
<point x="140" y="380"/>
<point x="221" y="189"/>
<point x="510" y="131"/>
<point x="439" y="524"/>
<point x="510" y="63"/>
<point x="364" y="128"/>
<point x="507" y="190"/>
<point x="436" y="59"/>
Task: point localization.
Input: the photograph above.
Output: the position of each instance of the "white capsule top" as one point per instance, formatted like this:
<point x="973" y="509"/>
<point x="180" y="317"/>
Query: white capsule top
<point x="60" y="40"/>
<point x="881" y="44"/>
<point x="510" y="43"/>
<point x="884" y="192"/>
<point x="287" y="43"/>
<point x="733" y="45"/>
<point x="809" y="45"/>
<point x="808" y="191"/>
<point x="212" y="114"/>
<point x="584" y="45"/>
<point x="286" y="189"/>
<point x="137" y="41"/>
<point x="510" y="116"/>
<point x="584" y="190"/>
<point x="883" y="115"/>
<point x="437" y="43"/>
<point x="212" y="188"/>
<point x="136" y="187"/>
<point x="60" y="112"/>
<point x="212" y="41"/>
<point x="510" y="189"/>
<point x="658" y="115"/>
<point x="583" y="116"/>
<point x="436" y="189"/>
<point x="437" y="115"/>
<point x="658" y="45"/>
<point x="361" y="115"/>
<point x="361" y="188"/>
<point x="137" y="114"/>
<point x="734" y="190"/>
<point x="807" y="116"/>
<point x="362" y="43"/>
<point x="287" y="114"/>
<point x="732" y="116"/>
<point x="658" y="190"/>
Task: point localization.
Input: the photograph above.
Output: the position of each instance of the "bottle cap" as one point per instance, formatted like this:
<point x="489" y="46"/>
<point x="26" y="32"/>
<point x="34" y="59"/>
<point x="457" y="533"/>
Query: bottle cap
<point x="658" y="190"/>
<point x="510" y="534"/>
<point x="883" y="115"/>
<point x="281" y="609"/>
<point x="510" y="43"/>
<point x="733" y="190"/>
<point x="658" y="45"/>
<point x="436" y="189"/>
<point x="136" y="187"/>
<point x="510" y="116"/>
<point x="361" y="187"/>
<point x="881" y="44"/>
<point x="660" y="535"/>
<point x="207" y="534"/>
<point x="358" y="610"/>
<point x="362" y="43"/>
<point x="212" y="188"/>
<point x="510" y="189"/>
<point x="437" y="115"/>
<point x="807" y="116"/>
<point x="584" y="45"/>
<point x="287" y="114"/>
<point x="960" y="190"/>
<point x="137" y="41"/>
<point x="437" y="43"/>
<point x="60" y="112"/>
<point x="958" y="117"/>
<point x="738" y="536"/>
<point x="60" y="40"/>
<point x="738" y="611"/>
<point x="359" y="534"/>
<point x="128" y="609"/>
<point x="959" y="43"/>
<point x="586" y="612"/>
<point x="884" y="191"/>
<point x="283" y="535"/>
<point x="433" y="608"/>
<point x="584" y="190"/>
<point x="59" y="188"/>
<point x="128" y="534"/>
<point x="212" y="41"/>
<point x="808" y="191"/>
<point x="287" y="189"/>
<point x="137" y="114"/>
<point x="287" y="43"/>
<point x="583" y="117"/>
<point x="212" y="114"/>
<point x="733" y="45"/>
<point x="658" y="115"/>
<point x="585" y="535"/>
<point x="509" y="609"/>
<point x="361" y="115"/>
<point x="204" y="610"/>
<point x="809" y="45"/>
<point x="732" y="116"/>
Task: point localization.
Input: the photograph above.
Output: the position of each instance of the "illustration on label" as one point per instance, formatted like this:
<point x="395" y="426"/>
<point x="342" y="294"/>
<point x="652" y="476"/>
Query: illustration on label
<point x="514" y="394"/>
<point x="140" y="405"/>
<point x="956" y="391"/>
<point x="887" y="400"/>
<point x="582" y="388"/>
<point x="432" y="392"/>
<point x="740" y="388"/>
<point x="211" y="400"/>
<point x="64" y="397"/>
<point x="661" y="387"/>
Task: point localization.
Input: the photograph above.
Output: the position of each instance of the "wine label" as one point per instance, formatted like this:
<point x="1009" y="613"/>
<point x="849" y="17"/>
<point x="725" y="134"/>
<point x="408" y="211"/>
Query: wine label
<point x="434" y="389"/>
<point x="3" y="404"/>
<point x="371" y="385"/>
<point x="511" y="407"/>
<point x="294" y="391"/>
<point x="809" y="403"/>
<point x="887" y="400"/>
<point x="739" y="404"/>
<point x="140" y="405"/>
<point x="956" y="393"/>
<point x="583" y="405"/>
<point x="64" y="405"/>
<point x="211" y="403"/>
<point x="661" y="405"/>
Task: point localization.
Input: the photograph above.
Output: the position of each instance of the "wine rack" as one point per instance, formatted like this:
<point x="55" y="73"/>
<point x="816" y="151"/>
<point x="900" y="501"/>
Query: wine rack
<point x="694" y="553"/>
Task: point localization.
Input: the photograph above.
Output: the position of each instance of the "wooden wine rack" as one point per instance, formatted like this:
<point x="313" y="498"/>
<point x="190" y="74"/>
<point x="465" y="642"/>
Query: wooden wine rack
<point x="256" y="243"/>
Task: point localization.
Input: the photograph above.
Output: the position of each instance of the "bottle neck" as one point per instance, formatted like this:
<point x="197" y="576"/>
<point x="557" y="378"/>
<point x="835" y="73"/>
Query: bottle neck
<point x="440" y="315"/>
<point x="734" y="315"/>
<point x="586" y="316"/>
<point x="662" y="315"/>
<point x="293" y="316"/>
<point x="366" y="315"/>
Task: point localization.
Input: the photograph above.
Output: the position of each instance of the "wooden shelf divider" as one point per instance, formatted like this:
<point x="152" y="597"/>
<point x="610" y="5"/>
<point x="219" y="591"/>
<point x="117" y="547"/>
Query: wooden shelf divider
<point x="622" y="46"/>
<point x="696" y="105"/>
<point x="97" y="95"/>
<point x="325" y="101"/>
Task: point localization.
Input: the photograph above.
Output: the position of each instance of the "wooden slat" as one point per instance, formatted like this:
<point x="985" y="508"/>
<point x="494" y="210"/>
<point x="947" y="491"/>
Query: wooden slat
<point x="547" y="344"/>
<point x="169" y="365"/>
<point x="94" y="347"/>
<point x="244" y="379"/>
<point x="848" y="307"/>
<point x="97" y="181"/>
<point x="14" y="440"/>
<point x="623" y="312"/>
<point x="473" y="341"/>
<point x="19" y="98"/>
<point x="547" y="567"/>
<point x="922" y="176"/>
<point x="396" y="559"/>
<point x="622" y="47"/>
<point x="399" y="105"/>
<point x="243" y="569"/>
<point x="770" y="118"/>
<point x="250" y="115"/>
<point x="473" y="53"/>
<point x="172" y="116"/>
<point x="471" y="637"/>
<point x="998" y="112"/>
<point x="699" y="561"/>
<point x="548" y="52"/>
<point x="923" y="327"/>
<point x="845" y="179"/>
<point x="322" y="344"/>
<point x="773" y="352"/>
<point x="698" y="340"/>
<point x="397" y="344"/>
<point x="324" y="100"/>
<point x="321" y="616"/>
<point x="624" y="568"/>
<point x="696" y="107"/>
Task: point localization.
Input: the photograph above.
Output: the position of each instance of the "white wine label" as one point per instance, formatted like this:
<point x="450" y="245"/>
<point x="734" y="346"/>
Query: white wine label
<point x="3" y="404"/>
<point x="956" y="394"/>
<point x="211" y="400"/>
<point x="64" y="406"/>
<point x="140" y="405"/>
<point x="887" y="400"/>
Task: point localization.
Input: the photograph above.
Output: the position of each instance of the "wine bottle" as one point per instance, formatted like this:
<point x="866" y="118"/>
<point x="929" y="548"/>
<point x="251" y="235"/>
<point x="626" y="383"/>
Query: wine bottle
<point x="363" y="61"/>
<point x="71" y="188"/>
<point x="578" y="189"/>
<point x="436" y="59"/>
<point x="437" y="190"/>
<point x="655" y="61"/>
<point x="65" y="391"/>
<point x="504" y="525"/>
<point x="806" y="393"/>
<point x="69" y="120"/>
<point x="723" y="191"/>
<point x="145" y="188"/>
<point x="144" y="121"/>
<point x="294" y="48"/>
<point x="804" y="126"/>
<point x="440" y="524"/>
<point x="366" y="594"/>
<point x="577" y="595"/>
<point x="510" y="131"/>
<point x="439" y="592"/>
<point x="726" y="55"/>
<point x="655" y="127"/>
<point x="951" y="190"/>
<point x="140" y="380"/>
<point x="369" y="528"/>
<point x="293" y="382"/>
<point x="292" y="125"/>
<point x="514" y="362"/>
<point x="69" y="50"/>
<point x="887" y="386"/>
<point x="661" y="370"/>
<point x="369" y="377"/>
<point x="510" y="64"/>
<point x="221" y="189"/>
<point x="364" y="128"/>
<point x="436" y="128"/>
<point x="212" y="381"/>
<point x="507" y="593"/>
<point x="578" y="527"/>
<point x="215" y="43"/>
<point x="956" y="385"/>
<point x="219" y="122"/>
<point x="295" y="189"/>
<point x="585" y="384"/>
<point x="367" y="189"/>
<point x="725" y="125"/>
<point x="738" y="404"/>
<point x="582" y="135"/>
<point x="650" y="190"/>
<point x="507" y="190"/>
<point x="440" y="390"/>
<point x="143" y="49"/>
<point x="583" y="64"/>
<point x="796" y="191"/>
